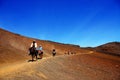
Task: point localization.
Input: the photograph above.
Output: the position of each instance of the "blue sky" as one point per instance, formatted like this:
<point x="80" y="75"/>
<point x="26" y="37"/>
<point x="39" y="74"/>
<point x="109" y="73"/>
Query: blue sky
<point x="82" y="22"/>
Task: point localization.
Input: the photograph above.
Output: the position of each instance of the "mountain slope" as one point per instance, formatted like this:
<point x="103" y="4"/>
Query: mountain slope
<point x="71" y="67"/>
<point x="84" y="65"/>
<point x="14" y="47"/>
<point x="112" y="48"/>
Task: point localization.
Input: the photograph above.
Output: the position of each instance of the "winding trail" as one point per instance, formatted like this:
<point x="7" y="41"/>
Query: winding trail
<point x="64" y="67"/>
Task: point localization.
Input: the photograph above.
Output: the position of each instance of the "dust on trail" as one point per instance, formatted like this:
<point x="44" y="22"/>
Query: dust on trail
<point x="8" y="69"/>
<point x="65" y="67"/>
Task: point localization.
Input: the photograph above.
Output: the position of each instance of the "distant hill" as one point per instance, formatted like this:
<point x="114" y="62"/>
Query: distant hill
<point x="112" y="48"/>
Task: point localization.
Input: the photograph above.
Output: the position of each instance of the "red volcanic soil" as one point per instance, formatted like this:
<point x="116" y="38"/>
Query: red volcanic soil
<point x="84" y="65"/>
<point x="14" y="47"/>
<point x="112" y="48"/>
<point x="65" y="67"/>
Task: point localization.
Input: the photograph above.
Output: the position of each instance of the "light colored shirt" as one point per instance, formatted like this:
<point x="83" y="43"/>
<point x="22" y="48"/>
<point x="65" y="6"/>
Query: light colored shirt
<point x="39" y="48"/>
<point x="32" y="45"/>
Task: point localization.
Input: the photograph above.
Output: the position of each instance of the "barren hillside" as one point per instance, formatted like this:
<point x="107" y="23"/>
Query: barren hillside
<point x="112" y="48"/>
<point x="66" y="67"/>
<point x="14" y="47"/>
<point x="86" y="64"/>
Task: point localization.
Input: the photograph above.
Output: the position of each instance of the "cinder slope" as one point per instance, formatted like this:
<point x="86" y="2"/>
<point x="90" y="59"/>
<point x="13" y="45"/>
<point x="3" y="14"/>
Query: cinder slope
<point x="112" y="48"/>
<point x="14" y="47"/>
<point x="85" y="65"/>
<point x="70" y="67"/>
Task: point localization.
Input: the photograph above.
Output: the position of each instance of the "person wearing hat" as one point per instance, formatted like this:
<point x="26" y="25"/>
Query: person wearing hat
<point x="33" y="44"/>
<point x="32" y="50"/>
<point x="40" y="51"/>
<point x="53" y="52"/>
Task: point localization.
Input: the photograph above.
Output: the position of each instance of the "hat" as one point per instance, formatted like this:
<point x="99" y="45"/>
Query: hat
<point x="34" y="41"/>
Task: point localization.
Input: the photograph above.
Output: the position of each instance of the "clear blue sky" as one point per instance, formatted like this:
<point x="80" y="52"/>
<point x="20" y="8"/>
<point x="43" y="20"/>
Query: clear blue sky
<point x="82" y="22"/>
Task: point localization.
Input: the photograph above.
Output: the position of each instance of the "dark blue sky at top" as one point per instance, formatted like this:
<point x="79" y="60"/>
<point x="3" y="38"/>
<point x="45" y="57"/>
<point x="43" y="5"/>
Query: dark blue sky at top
<point x="82" y="22"/>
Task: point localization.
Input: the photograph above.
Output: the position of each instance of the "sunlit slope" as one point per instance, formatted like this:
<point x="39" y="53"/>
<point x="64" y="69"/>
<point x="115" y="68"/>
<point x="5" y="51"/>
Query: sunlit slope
<point x="14" y="47"/>
<point x="65" y="67"/>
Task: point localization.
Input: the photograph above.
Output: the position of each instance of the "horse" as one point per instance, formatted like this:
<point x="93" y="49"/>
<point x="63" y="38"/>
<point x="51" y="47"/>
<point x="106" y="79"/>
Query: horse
<point x="40" y="53"/>
<point x="33" y="53"/>
<point x="54" y="52"/>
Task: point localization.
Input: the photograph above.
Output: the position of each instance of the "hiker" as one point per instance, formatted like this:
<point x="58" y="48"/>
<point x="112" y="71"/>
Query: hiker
<point x="54" y="52"/>
<point x="40" y="51"/>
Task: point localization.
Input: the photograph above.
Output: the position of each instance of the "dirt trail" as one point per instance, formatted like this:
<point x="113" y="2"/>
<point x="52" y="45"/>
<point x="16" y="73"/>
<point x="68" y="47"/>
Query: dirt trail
<point x="65" y="67"/>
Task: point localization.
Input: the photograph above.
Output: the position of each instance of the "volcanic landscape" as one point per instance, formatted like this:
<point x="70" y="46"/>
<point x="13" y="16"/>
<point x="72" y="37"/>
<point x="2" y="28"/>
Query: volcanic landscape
<point x="90" y="63"/>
